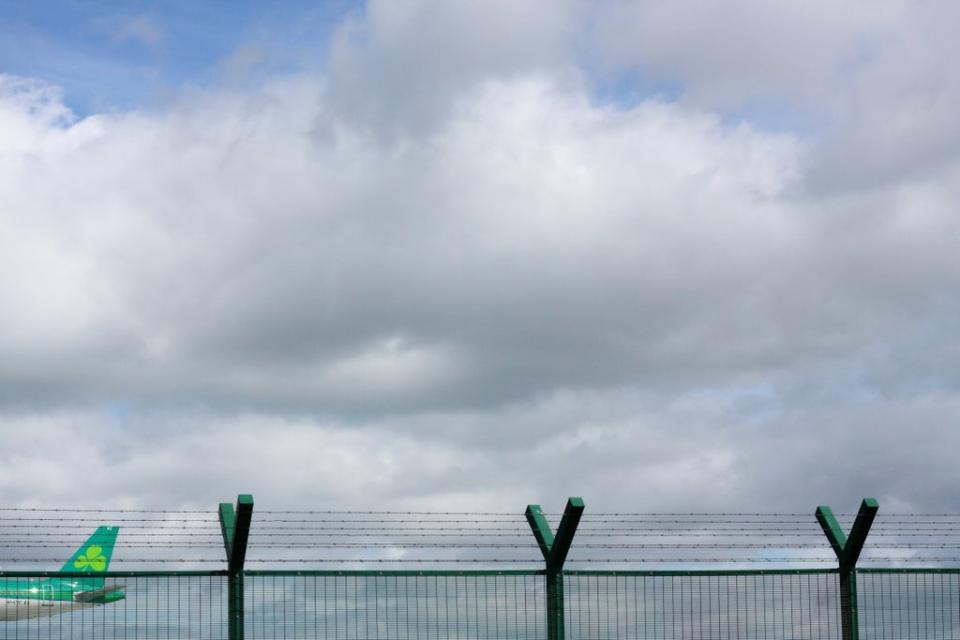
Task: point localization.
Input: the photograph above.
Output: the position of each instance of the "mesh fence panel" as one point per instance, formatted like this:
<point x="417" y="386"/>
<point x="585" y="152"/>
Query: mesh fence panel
<point x="179" y="606"/>
<point x="914" y="604"/>
<point x="893" y="604"/>
<point x="702" y="606"/>
<point x="364" y="606"/>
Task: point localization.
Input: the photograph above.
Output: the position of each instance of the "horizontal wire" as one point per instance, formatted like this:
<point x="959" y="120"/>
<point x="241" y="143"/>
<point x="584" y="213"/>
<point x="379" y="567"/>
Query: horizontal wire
<point x="525" y="529"/>
<point x="394" y="513"/>
<point x="126" y="526"/>
<point x="256" y="529"/>
<point x="298" y="532"/>
<point x="79" y="510"/>
<point x="296" y="545"/>
<point x="894" y="532"/>
<point x="170" y="529"/>
<point x="381" y="534"/>
<point x="136" y="545"/>
<point x="695" y="534"/>
<point x="438" y="545"/>
<point x="700" y="531"/>
<point x="887" y="521"/>
<point x="726" y="514"/>
<point x="82" y="535"/>
<point x="671" y="560"/>
<point x="777" y="521"/>
<point x="581" y="560"/>
<point x="396" y="561"/>
<point x="771" y="560"/>
<point x="73" y="537"/>
<point x="810" y="531"/>
<point x="376" y="521"/>
<point x="124" y="561"/>
<point x="919" y="515"/>
<point x="699" y="514"/>
<point x="86" y="522"/>
<point x="59" y="519"/>
<point x="53" y="544"/>
<point x="745" y="514"/>
<point x="868" y="553"/>
<point x="741" y="516"/>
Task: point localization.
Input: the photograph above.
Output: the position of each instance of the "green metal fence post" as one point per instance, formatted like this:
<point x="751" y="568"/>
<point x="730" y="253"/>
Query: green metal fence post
<point x="235" y="527"/>
<point x="847" y="549"/>
<point x="554" y="549"/>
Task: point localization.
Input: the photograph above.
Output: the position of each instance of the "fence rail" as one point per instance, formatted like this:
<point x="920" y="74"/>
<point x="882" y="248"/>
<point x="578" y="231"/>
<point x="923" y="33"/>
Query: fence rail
<point x="710" y="598"/>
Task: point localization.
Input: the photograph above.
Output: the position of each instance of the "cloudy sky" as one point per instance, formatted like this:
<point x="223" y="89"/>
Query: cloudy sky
<point x="472" y="255"/>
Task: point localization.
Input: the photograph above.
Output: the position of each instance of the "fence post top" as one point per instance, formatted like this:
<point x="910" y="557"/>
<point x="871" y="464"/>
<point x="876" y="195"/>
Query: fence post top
<point x="848" y="547"/>
<point x="235" y="527"/>
<point x="555" y="547"/>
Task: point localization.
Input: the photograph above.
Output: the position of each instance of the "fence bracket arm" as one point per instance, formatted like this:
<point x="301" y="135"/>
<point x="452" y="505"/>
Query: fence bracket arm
<point x="228" y="520"/>
<point x="848" y="548"/>
<point x="235" y="527"/>
<point x="555" y="547"/>
<point x="541" y="529"/>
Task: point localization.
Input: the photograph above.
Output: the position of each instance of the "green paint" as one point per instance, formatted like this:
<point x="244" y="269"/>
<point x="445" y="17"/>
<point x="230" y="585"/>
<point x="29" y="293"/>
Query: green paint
<point x="541" y="529"/>
<point x="847" y="550"/>
<point x="555" y="549"/>
<point x="93" y="556"/>
<point x="227" y="525"/>
<point x="565" y="532"/>
<point x="831" y="529"/>
<point x="235" y="527"/>
<point x="76" y="576"/>
<point x="241" y="532"/>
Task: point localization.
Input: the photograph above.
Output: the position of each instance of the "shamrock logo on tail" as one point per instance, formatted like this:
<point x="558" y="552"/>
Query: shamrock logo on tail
<point x="93" y="559"/>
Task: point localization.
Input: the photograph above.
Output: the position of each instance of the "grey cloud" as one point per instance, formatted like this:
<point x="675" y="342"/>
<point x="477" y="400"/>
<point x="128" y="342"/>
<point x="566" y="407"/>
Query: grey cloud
<point x="431" y="280"/>
<point x="894" y="122"/>
<point x="873" y="81"/>
<point x="718" y="450"/>
<point x="536" y="242"/>
<point x="448" y="274"/>
<point x="402" y="65"/>
<point x="724" y="55"/>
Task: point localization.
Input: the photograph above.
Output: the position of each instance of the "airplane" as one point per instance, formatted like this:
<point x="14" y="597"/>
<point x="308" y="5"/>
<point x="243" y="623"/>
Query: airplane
<point x="23" y="598"/>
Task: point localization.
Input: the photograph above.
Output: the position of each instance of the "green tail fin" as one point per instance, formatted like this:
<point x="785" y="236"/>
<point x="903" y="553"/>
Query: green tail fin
<point x="93" y="556"/>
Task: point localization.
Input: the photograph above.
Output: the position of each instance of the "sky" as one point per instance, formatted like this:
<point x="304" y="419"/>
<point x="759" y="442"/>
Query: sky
<point x="475" y="255"/>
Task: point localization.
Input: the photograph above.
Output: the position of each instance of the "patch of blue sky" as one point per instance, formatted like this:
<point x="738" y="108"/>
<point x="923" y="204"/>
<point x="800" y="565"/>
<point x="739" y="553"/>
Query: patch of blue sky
<point x="778" y="115"/>
<point x="108" y="55"/>
<point x="627" y="89"/>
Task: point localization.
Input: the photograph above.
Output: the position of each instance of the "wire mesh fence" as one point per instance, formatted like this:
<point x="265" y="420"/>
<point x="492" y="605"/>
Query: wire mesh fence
<point x="398" y="605"/>
<point x="406" y="605"/>
<point x="184" y="605"/>
<point x="702" y="605"/>
<point x="909" y="604"/>
<point x="404" y="575"/>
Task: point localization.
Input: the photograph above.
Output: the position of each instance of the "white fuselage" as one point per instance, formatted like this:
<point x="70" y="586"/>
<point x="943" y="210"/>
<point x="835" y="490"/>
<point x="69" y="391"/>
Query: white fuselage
<point x="23" y="608"/>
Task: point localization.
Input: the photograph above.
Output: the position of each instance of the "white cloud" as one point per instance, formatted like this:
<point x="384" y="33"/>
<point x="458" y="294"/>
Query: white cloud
<point x="469" y="282"/>
<point x="221" y="246"/>
<point x="400" y="65"/>
<point x="871" y="81"/>
<point x="723" y="54"/>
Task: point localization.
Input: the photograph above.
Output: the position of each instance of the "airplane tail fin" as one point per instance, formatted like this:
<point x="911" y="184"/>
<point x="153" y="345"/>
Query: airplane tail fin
<point x="93" y="556"/>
